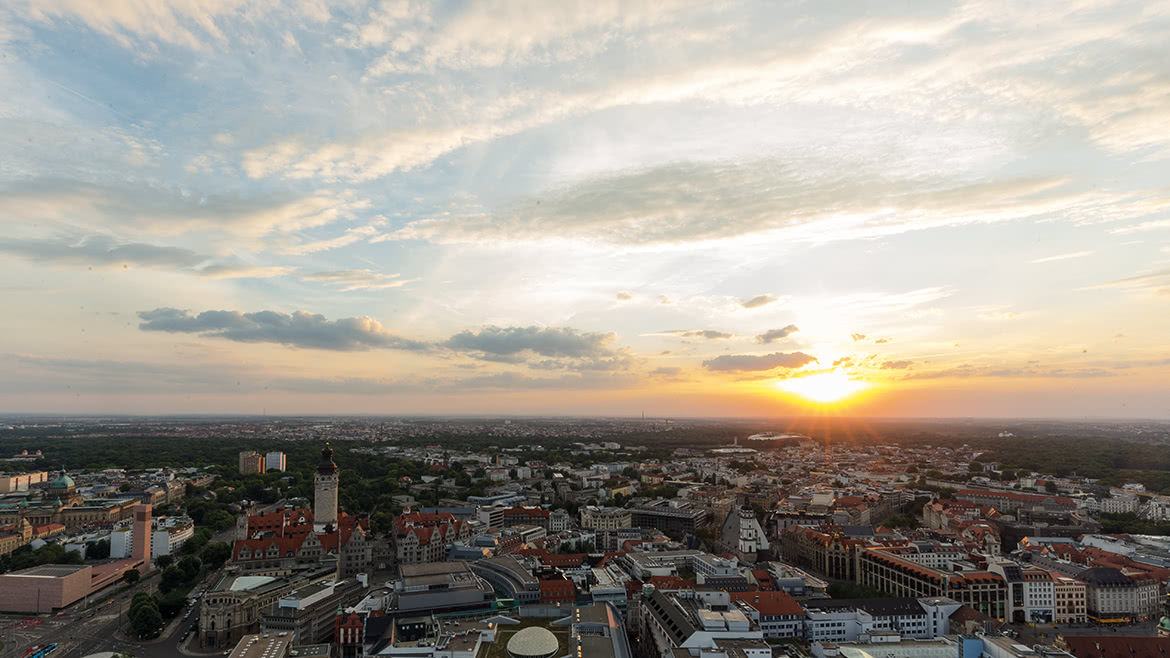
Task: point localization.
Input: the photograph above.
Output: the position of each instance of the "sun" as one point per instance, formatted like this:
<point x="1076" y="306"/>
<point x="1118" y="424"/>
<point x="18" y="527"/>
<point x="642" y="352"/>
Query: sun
<point x="822" y="387"/>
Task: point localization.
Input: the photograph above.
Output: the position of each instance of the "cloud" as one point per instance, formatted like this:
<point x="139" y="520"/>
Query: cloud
<point x="857" y="337"/>
<point x="164" y="211"/>
<point x="896" y="365"/>
<point x="300" y="329"/>
<point x="666" y="371"/>
<point x="643" y="207"/>
<point x="773" y="335"/>
<point x="350" y="280"/>
<point x="709" y="334"/>
<point x="1029" y="372"/>
<point x="236" y="271"/>
<point x="758" y="301"/>
<point x="751" y="362"/>
<point x="545" y="341"/>
<point x="104" y="252"/>
<point x="563" y="347"/>
<point x="194" y="25"/>
<point x="350" y="236"/>
<point x="1140" y="281"/>
<point x="37" y="373"/>
<point x="101" y="251"/>
<point x="1074" y="254"/>
<point x="882" y="341"/>
<point x="844" y="361"/>
<point x="663" y="299"/>
<point x="624" y="296"/>
<point x="501" y="381"/>
<point x="492" y="35"/>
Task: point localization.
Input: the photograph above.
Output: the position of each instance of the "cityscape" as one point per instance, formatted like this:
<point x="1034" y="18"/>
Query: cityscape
<point x="628" y="538"/>
<point x="584" y="329"/>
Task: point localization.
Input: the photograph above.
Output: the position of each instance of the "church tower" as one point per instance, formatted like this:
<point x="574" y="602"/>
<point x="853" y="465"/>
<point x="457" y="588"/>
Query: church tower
<point x="325" y="493"/>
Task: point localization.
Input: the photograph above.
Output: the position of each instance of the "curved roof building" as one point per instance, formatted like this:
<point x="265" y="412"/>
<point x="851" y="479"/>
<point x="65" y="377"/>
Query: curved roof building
<point x="533" y="642"/>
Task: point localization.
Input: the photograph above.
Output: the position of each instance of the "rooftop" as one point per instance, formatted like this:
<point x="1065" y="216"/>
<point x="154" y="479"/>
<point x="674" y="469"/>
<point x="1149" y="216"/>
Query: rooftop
<point x="52" y="570"/>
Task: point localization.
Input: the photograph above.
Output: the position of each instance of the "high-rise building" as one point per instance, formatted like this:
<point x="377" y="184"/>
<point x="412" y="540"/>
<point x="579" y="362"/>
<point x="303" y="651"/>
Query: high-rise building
<point x="141" y="539"/>
<point x="251" y="462"/>
<point x="325" y="493"/>
<point x="274" y="461"/>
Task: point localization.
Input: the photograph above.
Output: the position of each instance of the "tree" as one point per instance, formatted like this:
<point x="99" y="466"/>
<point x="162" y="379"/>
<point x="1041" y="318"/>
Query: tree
<point x="147" y="622"/>
<point x="98" y="550"/>
<point x="145" y="619"/>
<point x="131" y="576"/>
<point x="172" y="603"/>
<point x="974" y="467"/>
<point x="190" y="566"/>
<point x="220" y="520"/>
<point x="172" y="577"/>
<point x="164" y="561"/>
<point x="1051" y="487"/>
<point x="215" y="554"/>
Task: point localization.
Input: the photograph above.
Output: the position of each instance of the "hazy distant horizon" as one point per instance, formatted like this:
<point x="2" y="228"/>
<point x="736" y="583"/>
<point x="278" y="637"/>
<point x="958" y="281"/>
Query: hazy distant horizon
<point x="595" y="417"/>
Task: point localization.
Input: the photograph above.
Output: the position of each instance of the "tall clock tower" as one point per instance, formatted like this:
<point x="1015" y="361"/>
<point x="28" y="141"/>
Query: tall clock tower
<point x="325" y="493"/>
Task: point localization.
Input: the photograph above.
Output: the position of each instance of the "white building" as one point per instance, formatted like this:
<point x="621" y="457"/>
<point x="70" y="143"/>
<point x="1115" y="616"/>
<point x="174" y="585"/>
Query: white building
<point x="1112" y="595"/>
<point x="559" y="520"/>
<point x="121" y="542"/>
<point x="848" y="620"/>
<point x="169" y="534"/>
<point x="1031" y="593"/>
<point x="935" y="555"/>
<point x="1120" y="504"/>
<point x="605" y="518"/>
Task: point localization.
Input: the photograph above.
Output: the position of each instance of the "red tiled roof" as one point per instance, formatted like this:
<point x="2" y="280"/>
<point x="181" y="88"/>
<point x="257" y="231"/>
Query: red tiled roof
<point x="1114" y="646"/>
<point x="769" y="604"/>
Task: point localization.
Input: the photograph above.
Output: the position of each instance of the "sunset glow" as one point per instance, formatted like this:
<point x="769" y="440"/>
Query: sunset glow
<point x="581" y="208"/>
<point x="823" y="387"/>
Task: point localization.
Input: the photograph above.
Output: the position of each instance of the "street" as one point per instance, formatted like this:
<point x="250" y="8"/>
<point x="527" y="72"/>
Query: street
<point x="1032" y="635"/>
<point x="80" y="631"/>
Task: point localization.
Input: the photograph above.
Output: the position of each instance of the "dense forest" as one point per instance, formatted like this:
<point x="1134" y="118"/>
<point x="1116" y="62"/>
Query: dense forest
<point x="1112" y="461"/>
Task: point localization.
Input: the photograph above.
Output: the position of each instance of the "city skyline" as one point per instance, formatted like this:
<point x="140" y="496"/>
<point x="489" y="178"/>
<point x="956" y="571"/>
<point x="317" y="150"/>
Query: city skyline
<point x="929" y="210"/>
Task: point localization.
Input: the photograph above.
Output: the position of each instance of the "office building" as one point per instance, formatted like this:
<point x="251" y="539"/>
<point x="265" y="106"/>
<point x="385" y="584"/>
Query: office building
<point x="308" y="613"/>
<point x="251" y="462"/>
<point x="670" y="516"/>
<point x="275" y="461"/>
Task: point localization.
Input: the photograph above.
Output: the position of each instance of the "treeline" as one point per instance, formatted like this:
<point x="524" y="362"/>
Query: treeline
<point x="1112" y="461"/>
<point x="1129" y="524"/>
<point x="26" y="556"/>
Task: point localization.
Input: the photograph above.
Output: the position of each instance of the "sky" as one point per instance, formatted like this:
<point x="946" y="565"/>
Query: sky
<point x="603" y="208"/>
